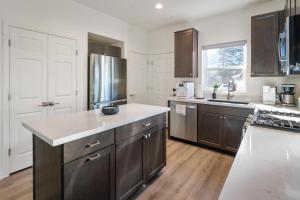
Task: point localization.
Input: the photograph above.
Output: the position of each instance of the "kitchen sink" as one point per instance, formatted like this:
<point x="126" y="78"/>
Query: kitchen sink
<point x="229" y="101"/>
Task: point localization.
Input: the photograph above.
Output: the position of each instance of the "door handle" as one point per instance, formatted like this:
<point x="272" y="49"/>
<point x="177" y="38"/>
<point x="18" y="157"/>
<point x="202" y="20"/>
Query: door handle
<point x="44" y="104"/>
<point x="145" y="136"/>
<point x="51" y="103"/>
<point x="191" y="107"/>
<point x="94" y="158"/>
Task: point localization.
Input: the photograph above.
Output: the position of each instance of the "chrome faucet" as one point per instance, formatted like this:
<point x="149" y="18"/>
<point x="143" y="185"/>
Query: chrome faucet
<point x="231" y="88"/>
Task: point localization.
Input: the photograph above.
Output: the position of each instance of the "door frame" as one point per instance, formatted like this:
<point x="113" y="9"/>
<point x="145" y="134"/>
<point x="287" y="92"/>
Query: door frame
<point x="5" y="89"/>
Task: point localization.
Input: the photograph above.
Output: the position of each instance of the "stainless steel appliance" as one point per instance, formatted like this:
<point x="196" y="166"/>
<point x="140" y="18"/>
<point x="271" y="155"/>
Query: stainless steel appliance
<point x="185" y="90"/>
<point x="287" y="97"/>
<point x="289" y="46"/>
<point x="183" y="121"/>
<point x="107" y="81"/>
<point x="277" y="119"/>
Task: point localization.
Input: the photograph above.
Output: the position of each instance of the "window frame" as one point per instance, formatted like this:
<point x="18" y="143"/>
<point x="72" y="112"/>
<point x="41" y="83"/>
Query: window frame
<point x="205" y="68"/>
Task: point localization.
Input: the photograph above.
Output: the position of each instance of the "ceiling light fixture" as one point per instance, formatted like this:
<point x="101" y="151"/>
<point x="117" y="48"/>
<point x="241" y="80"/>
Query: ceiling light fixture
<point x="159" y="6"/>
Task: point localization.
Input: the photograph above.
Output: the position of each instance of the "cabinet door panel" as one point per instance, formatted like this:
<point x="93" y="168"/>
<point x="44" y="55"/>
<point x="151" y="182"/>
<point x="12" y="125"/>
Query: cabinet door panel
<point x="233" y="130"/>
<point x="91" y="177"/>
<point x="264" y="45"/>
<point x="129" y="166"/>
<point x="154" y="151"/>
<point x="209" y="129"/>
<point x="186" y="53"/>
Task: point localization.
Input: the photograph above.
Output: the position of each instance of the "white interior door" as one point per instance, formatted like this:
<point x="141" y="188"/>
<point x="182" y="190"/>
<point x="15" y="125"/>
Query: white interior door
<point x="62" y="75"/>
<point x="137" y="78"/>
<point x="28" y="88"/>
<point x="162" y="78"/>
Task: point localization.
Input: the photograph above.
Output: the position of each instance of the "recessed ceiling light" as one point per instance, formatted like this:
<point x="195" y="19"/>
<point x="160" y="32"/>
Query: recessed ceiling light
<point x="159" y="6"/>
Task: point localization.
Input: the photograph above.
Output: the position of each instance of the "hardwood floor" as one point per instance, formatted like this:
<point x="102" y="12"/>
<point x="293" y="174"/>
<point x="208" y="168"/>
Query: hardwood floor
<point x="191" y="173"/>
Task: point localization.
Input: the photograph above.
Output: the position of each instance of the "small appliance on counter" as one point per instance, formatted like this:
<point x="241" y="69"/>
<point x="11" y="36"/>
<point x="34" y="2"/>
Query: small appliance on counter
<point x="269" y="95"/>
<point x="287" y="97"/>
<point x="185" y="90"/>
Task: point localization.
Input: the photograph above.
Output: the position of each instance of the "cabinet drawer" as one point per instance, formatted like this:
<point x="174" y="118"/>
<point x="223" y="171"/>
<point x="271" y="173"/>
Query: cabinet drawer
<point x="87" y="145"/>
<point x="134" y="128"/>
<point x="225" y="110"/>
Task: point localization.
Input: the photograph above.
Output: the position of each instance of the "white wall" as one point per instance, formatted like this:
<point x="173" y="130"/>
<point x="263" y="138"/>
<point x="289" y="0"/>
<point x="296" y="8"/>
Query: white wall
<point x="234" y="26"/>
<point x="68" y="18"/>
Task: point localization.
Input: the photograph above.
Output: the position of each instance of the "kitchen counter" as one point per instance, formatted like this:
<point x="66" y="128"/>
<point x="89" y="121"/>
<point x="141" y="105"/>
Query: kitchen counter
<point x="267" y="166"/>
<point x="62" y="129"/>
<point x="250" y="105"/>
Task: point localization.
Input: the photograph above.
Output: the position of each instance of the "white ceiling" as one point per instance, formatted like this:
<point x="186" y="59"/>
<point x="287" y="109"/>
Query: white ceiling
<point x="143" y="13"/>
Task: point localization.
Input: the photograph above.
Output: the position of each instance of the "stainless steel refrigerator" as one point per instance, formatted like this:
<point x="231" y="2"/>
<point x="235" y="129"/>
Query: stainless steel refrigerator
<point x="107" y="81"/>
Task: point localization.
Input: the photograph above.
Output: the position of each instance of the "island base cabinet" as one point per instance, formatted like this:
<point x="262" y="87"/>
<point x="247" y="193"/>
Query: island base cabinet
<point x="108" y="165"/>
<point x="91" y="177"/>
<point x="138" y="159"/>
<point x="129" y="166"/>
<point x="154" y="152"/>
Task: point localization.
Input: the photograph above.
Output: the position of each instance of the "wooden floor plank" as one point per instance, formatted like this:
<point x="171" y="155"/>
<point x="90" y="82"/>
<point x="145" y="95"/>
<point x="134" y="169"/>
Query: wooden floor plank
<point x="192" y="173"/>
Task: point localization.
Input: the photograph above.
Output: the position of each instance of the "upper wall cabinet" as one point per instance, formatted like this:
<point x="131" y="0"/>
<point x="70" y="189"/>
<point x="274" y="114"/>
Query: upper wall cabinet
<point x="265" y="31"/>
<point x="103" y="49"/>
<point x="186" y="53"/>
<point x="292" y="7"/>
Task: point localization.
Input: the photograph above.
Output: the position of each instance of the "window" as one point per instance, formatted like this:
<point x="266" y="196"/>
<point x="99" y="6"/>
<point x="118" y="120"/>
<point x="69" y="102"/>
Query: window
<point x="223" y="63"/>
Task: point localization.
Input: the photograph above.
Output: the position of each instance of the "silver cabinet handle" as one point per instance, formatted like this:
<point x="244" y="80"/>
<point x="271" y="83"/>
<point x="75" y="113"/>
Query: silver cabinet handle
<point x="44" y="104"/>
<point x="145" y="136"/>
<point x="191" y="107"/>
<point x="94" y="158"/>
<point x="149" y="134"/>
<point x="97" y="142"/>
<point x="147" y="124"/>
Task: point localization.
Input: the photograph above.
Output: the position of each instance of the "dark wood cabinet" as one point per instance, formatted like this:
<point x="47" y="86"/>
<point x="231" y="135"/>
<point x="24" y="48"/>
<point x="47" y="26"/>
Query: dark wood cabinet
<point x="292" y="7"/>
<point x="108" y="165"/>
<point x="129" y="166"/>
<point x="210" y="127"/>
<point x="221" y="127"/>
<point x="232" y="132"/>
<point x="265" y="31"/>
<point x="91" y="177"/>
<point x="139" y="158"/>
<point x="154" y="151"/>
<point x="97" y="47"/>
<point x="186" y="53"/>
<point x="60" y="175"/>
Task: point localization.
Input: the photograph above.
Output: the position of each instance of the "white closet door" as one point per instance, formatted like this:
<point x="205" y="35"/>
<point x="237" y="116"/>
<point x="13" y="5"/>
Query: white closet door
<point x="28" y="87"/>
<point x="62" y="75"/>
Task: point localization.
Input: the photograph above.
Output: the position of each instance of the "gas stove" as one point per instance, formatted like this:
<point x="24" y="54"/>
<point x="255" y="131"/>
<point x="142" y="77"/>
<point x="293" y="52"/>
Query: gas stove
<point x="277" y="119"/>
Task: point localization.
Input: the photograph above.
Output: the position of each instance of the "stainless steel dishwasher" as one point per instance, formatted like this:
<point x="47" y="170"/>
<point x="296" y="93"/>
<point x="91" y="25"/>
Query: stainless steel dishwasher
<point x="184" y="125"/>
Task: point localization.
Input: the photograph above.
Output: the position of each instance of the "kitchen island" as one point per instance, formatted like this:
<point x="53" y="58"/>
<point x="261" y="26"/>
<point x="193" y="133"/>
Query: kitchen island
<point x="87" y="155"/>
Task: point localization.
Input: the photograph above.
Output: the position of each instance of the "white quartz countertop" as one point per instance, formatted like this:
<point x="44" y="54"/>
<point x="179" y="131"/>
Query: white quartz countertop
<point x="266" y="167"/>
<point x="250" y="105"/>
<point x="59" y="130"/>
